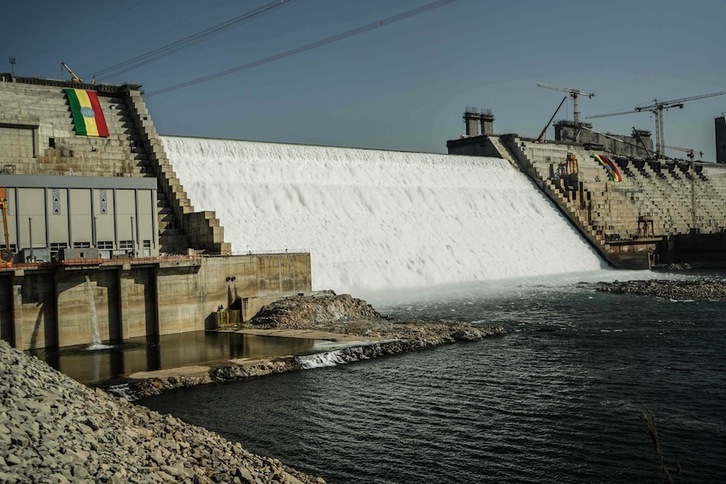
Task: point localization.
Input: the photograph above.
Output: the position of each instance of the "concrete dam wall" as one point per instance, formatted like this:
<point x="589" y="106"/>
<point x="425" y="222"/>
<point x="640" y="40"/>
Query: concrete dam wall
<point x="377" y="220"/>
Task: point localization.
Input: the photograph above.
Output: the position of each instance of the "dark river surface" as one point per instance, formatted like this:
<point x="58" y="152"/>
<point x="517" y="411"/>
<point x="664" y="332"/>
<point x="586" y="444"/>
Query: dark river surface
<point x="559" y="399"/>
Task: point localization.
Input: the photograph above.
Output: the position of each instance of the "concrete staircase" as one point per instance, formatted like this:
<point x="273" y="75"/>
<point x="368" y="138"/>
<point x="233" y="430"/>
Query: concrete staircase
<point x="179" y="226"/>
<point x="48" y="148"/>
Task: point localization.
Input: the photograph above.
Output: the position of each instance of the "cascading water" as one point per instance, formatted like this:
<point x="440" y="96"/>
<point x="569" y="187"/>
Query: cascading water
<point x="93" y="320"/>
<point x="376" y="220"/>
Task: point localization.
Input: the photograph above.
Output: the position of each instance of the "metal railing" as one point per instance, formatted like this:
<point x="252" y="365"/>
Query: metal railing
<point x="105" y="262"/>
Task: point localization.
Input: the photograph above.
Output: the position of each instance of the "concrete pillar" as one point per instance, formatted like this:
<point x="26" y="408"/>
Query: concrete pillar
<point x="487" y="122"/>
<point x="6" y="309"/>
<point x="471" y="120"/>
<point x="18" y="313"/>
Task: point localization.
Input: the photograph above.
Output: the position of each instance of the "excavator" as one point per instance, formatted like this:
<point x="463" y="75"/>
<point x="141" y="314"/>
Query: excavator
<point x="6" y="255"/>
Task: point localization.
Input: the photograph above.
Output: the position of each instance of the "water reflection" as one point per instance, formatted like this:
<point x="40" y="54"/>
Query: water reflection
<point x="171" y="351"/>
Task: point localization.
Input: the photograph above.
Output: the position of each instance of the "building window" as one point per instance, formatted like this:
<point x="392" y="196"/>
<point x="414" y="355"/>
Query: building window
<point x="146" y="251"/>
<point x="81" y="245"/>
<point x="56" y="247"/>
<point x="51" y="142"/>
<point x="104" y="245"/>
<point x="126" y="244"/>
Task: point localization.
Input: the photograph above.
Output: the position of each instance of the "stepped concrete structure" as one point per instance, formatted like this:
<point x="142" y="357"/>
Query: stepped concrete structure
<point x="109" y="213"/>
<point x="636" y="212"/>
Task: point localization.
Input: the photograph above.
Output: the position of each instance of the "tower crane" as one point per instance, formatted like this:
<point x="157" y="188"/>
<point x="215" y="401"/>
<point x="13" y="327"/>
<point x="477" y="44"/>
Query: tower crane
<point x="574" y="94"/>
<point x="657" y="108"/>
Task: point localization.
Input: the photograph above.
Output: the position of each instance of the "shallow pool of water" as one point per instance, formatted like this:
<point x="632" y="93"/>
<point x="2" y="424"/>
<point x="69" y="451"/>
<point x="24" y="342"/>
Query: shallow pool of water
<point x="113" y="364"/>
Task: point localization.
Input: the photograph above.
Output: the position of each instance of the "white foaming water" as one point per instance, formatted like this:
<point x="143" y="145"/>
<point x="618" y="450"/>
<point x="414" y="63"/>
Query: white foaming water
<point x="93" y="320"/>
<point x="376" y="220"/>
<point x="320" y="360"/>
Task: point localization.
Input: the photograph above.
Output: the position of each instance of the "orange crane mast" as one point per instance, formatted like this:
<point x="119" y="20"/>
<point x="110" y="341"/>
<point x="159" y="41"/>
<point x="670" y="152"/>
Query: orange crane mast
<point x="6" y="255"/>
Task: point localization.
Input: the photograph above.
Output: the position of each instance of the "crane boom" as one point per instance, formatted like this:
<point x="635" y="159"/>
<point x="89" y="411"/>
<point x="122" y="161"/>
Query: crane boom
<point x="74" y="77"/>
<point x="657" y="108"/>
<point x="574" y="94"/>
<point x="690" y="152"/>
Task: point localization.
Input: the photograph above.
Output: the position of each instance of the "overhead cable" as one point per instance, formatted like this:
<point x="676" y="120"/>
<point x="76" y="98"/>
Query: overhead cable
<point x="306" y="47"/>
<point x="191" y="40"/>
<point x="79" y="33"/>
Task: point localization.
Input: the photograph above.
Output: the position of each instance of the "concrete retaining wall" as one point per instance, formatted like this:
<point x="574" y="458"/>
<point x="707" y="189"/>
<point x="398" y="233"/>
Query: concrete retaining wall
<point x="48" y="305"/>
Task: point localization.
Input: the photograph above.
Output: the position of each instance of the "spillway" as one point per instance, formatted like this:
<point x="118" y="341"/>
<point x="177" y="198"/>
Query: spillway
<point x="375" y="220"/>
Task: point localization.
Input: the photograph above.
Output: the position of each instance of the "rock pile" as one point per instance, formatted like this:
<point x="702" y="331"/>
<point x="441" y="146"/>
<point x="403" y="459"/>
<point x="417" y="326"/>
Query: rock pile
<point x="306" y="311"/>
<point x="53" y="429"/>
<point x="697" y="290"/>
<point x="343" y="314"/>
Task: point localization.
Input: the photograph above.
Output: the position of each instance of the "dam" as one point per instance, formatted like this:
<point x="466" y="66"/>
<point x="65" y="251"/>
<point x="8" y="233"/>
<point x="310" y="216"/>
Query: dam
<point x="377" y="220"/>
<point x="171" y="235"/>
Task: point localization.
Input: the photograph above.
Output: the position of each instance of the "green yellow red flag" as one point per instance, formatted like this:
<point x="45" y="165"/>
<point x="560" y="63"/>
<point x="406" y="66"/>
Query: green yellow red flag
<point x="87" y="114"/>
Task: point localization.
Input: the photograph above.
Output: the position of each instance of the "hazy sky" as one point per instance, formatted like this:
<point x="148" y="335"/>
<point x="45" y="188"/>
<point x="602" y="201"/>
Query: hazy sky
<point x="403" y="86"/>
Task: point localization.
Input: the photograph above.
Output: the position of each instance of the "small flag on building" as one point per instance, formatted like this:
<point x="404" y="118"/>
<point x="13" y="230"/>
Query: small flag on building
<point x="87" y="115"/>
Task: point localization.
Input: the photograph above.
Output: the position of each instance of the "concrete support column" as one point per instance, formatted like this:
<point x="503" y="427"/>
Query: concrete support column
<point x="471" y="121"/>
<point x="18" y="313"/>
<point x="487" y="122"/>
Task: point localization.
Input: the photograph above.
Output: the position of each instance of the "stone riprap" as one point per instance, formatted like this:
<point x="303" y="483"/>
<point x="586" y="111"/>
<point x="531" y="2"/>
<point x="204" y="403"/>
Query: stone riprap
<point x="306" y="311"/>
<point x="53" y="429"/>
<point x="697" y="290"/>
<point x="339" y="317"/>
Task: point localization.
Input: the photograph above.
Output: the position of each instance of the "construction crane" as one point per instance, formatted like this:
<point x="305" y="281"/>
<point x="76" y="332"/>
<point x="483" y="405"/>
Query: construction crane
<point x="657" y="108"/>
<point x="690" y="152"/>
<point x="544" y="130"/>
<point x="574" y="94"/>
<point x="74" y="77"/>
<point x="6" y="255"/>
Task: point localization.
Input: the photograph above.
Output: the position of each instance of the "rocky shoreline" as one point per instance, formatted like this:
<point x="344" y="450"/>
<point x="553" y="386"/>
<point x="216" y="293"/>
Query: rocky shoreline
<point x="330" y="316"/>
<point x="54" y="429"/>
<point x="691" y="290"/>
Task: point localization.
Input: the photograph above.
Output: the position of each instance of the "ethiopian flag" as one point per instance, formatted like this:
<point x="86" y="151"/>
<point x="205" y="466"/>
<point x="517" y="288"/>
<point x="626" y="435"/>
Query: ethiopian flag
<point x="87" y="115"/>
<point x="612" y="169"/>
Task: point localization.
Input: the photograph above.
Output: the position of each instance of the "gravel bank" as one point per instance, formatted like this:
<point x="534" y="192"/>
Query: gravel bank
<point x="53" y="429"/>
<point x="698" y="290"/>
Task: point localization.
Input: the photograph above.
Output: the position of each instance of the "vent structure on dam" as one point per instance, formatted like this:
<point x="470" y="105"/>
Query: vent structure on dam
<point x="89" y="198"/>
<point x="635" y="210"/>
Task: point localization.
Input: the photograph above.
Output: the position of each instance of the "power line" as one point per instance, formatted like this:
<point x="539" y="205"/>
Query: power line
<point x="191" y="40"/>
<point x="77" y="34"/>
<point x="150" y="36"/>
<point x="307" y="47"/>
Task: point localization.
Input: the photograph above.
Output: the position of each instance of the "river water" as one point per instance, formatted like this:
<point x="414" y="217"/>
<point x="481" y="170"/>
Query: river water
<point x="471" y="239"/>
<point x="559" y="399"/>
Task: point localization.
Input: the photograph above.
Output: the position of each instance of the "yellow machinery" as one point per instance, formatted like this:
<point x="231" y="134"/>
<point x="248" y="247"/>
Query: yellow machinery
<point x="6" y="255"/>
